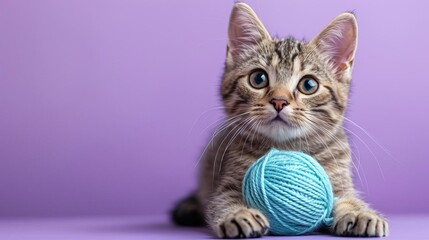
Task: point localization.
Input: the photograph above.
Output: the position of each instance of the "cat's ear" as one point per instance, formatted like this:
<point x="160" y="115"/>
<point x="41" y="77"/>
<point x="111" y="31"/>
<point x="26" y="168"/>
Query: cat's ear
<point x="337" y="42"/>
<point x="245" y="29"/>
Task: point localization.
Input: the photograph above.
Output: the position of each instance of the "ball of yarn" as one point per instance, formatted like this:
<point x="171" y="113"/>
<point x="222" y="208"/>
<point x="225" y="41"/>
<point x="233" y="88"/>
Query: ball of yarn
<point x="292" y="190"/>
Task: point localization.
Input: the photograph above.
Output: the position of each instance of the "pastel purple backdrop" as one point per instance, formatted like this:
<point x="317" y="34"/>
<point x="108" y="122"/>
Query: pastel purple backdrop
<point x="106" y="105"/>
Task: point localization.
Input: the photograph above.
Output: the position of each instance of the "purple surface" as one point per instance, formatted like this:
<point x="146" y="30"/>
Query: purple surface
<point x="158" y="227"/>
<point x="105" y="105"/>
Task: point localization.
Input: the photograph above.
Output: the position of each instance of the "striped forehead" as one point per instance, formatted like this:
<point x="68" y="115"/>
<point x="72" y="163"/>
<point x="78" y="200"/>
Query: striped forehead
<point x="286" y="61"/>
<point x="287" y="50"/>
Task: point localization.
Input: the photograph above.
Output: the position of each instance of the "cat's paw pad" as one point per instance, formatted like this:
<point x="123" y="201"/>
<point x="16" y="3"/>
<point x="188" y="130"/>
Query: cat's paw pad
<point x="245" y="223"/>
<point x="362" y="224"/>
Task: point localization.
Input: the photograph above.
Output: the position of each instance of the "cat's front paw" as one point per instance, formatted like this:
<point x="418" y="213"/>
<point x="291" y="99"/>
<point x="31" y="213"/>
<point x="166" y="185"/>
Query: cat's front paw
<point x="244" y="223"/>
<point x="364" y="223"/>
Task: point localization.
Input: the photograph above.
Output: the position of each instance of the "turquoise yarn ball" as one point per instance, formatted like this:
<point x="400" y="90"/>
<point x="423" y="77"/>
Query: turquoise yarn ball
<point x="292" y="190"/>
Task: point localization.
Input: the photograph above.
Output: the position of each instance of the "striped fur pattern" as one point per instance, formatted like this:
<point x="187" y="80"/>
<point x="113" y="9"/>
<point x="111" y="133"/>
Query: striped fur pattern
<point x="310" y="123"/>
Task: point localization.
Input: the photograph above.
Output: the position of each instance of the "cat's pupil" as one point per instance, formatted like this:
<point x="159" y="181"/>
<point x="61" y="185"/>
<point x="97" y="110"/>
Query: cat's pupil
<point x="259" y="78"/>
<point x="309" y="84"/>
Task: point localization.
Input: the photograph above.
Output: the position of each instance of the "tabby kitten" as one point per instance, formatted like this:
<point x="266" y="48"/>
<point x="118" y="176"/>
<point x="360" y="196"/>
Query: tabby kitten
<point x="286" y="94"/>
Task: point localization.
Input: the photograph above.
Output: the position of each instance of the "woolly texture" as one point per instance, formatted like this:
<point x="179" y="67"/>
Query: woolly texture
<point x="292" y="190"/>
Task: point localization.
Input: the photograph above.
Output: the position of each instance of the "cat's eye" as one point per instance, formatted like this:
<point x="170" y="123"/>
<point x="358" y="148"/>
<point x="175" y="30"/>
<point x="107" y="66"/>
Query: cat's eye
<point x="258" y="79"/>
<point x="308" y="85"/>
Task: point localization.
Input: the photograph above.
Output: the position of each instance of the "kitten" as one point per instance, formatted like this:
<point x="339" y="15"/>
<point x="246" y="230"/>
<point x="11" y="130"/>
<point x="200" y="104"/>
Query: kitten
<point x="286" y="94"/>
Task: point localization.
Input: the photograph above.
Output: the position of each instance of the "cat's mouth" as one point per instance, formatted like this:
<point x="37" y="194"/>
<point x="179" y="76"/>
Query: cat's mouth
<point x="278" y="119"/>
<point x="282" y="121"/>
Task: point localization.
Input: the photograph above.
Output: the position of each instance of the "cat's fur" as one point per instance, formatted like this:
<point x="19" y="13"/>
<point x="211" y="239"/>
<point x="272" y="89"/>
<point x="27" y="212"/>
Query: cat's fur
<point x="309" y="123"/>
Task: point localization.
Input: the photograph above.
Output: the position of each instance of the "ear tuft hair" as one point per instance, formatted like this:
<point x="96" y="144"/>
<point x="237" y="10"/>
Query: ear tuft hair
<point x="337" y="42"/>
<point x="245" y="29"/>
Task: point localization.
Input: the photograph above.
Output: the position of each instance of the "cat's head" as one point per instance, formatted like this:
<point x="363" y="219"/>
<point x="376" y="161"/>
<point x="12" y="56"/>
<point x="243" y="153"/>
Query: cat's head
<point x="285" y="88"/>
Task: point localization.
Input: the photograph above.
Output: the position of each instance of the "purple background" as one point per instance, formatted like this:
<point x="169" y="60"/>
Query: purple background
<point x="105" y="105"/>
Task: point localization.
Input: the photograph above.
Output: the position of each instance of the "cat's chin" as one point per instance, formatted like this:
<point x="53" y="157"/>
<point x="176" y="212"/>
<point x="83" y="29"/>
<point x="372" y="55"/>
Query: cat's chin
<point x="280" y="131"/>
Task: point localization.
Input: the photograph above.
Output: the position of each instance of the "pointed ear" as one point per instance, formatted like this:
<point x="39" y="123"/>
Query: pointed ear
<point x="337" y="42"/>
<point x="245" y="29"/>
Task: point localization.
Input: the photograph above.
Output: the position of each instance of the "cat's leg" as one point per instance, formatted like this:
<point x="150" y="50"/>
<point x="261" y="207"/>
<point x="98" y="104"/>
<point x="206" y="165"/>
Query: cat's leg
<point x="188" y="212"/>
<point x="229" y="217"/>
<point x="352" y="217"/>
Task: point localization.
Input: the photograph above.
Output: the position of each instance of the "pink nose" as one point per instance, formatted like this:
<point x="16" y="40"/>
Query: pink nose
<point x="279" y="104"/>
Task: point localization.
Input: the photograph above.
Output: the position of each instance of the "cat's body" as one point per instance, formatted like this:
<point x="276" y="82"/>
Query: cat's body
<point x="286" y="94"/>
